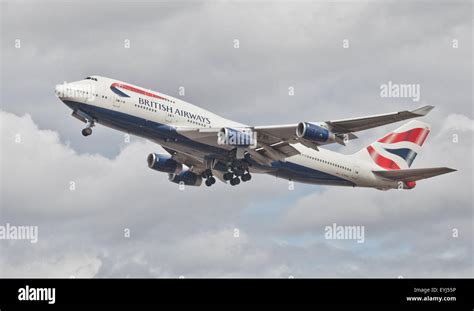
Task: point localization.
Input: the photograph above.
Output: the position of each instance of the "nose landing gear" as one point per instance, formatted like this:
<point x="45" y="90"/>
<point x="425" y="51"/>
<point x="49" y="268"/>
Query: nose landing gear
<point x="88" y="130"/>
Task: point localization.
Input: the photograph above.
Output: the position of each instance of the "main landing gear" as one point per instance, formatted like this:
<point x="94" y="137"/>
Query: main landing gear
<point x="236" y="175"/>
<point x="88" y="130"/>
<point x="236" y="172"/>
<point x="210" y="180"/>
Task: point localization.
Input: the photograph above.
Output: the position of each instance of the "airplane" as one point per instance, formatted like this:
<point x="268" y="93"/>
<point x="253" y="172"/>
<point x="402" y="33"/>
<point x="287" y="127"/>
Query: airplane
<point x="201" y="145"/>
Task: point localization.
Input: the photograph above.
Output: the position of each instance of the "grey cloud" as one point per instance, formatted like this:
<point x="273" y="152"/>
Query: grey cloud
<point x="190" y="44"/>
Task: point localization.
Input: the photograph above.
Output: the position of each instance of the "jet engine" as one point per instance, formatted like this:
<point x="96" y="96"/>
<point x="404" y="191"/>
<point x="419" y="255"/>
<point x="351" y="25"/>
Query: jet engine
<point x="163" y="163"/>
<point x="186" y="177"/>
<point x="314" y="133"/>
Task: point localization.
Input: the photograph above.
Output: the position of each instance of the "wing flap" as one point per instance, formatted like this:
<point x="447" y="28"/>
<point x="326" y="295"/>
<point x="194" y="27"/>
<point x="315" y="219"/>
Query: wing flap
<point x="265" y="154"/>
<point x="415" y="174"/>
<point x="286" y="149"/>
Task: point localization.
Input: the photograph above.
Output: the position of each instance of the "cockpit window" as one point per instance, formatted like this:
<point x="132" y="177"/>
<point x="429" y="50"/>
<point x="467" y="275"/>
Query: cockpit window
<point x="91" y="78"/>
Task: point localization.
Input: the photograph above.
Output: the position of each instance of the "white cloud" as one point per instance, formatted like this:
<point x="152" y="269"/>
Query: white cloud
<point x="175" y="233"/>
<point x="70" y="265"/>
<point x="112" y="195"/>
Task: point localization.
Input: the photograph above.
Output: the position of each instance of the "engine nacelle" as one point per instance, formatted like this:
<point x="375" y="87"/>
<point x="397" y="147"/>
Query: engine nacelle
<point x="163" y="163"/>
<point x="186" y="177"/>
<point x="237" y="138"/>
<point x="314" y="133"/>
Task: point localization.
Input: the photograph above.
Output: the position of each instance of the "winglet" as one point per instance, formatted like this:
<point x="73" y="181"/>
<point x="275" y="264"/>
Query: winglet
<point x="422" y="111"/>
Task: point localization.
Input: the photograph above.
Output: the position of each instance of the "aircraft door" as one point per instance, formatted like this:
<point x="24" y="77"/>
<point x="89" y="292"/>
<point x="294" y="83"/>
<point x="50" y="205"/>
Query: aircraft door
<point x="169" y="118"/>
<point x="115" y="101"/>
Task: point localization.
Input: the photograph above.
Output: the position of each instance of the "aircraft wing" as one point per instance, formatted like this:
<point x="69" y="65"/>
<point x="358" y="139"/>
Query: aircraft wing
<point x="269" y="147"/>
<point x="274" y="141"/>
<point x="194" y="164"/>
<point x="204" y="135"/>
<point x="345" y="127"/>
<point x="364" y="123"/>
<point x="287" y="131"/>
<point x="413" y="174"/>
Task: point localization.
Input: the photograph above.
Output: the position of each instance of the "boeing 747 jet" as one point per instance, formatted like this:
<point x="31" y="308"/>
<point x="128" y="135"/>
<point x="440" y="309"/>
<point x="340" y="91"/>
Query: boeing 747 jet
<point x="204" y="146"/>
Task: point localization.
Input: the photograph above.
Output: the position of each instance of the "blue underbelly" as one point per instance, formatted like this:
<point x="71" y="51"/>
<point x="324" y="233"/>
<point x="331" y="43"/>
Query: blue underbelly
<point x="155" y="131"/>
<point x="167" y="135"/>
<point x="300" y="173"/>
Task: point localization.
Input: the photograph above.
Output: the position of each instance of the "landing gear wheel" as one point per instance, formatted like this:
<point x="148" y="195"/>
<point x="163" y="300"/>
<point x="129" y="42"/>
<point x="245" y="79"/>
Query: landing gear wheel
<point x="239" y="171"/>
<point x="87" y="131"/>
<point x="210" y="181"/>
<point x="246" y="177"/>
<point x="207" y="173"/>
<point x="235" y="181"/>
<point x="228" y="176"/>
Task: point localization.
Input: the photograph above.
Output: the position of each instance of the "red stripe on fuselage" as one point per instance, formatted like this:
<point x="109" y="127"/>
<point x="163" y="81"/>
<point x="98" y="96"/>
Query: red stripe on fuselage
<point x="381" y="160"/>
<point x="416" y="136"/>
<point x="136" y="90"/>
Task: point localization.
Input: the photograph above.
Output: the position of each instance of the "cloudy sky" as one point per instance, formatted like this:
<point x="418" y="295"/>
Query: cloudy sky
<point x="261" y="228"/>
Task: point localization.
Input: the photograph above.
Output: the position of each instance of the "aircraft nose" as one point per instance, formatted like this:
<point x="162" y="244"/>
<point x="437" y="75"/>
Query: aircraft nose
<point x="59" y="90"/>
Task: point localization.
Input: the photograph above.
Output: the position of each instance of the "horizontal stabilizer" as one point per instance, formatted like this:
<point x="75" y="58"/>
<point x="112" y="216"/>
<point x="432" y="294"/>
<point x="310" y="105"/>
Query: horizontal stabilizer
<point x="413" y="174"/>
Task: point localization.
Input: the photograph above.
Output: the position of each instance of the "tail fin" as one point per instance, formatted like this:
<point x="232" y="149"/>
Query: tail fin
<point x="398" y="149"/>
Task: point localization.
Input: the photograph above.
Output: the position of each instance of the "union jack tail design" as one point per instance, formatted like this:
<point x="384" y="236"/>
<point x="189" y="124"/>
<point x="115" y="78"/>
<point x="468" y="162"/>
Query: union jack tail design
<point x="398" y="149"/>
